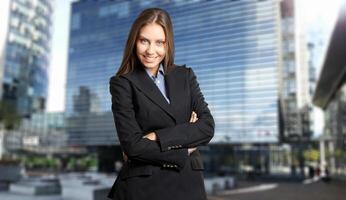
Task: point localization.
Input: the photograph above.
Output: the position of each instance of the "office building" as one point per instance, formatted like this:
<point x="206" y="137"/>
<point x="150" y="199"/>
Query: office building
<point x="297" y="75"/>
<point x="25" y="37"/>
<point x="234" y="48"/>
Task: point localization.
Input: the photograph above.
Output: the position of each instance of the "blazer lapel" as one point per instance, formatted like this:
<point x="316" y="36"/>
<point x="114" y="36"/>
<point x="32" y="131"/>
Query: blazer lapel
<point x="176" y="91"/>
<point x="172" y="90"/>
<point x="142" y="81"/>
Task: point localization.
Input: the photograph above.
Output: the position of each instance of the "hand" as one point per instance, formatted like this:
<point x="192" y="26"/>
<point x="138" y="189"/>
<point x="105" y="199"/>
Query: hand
<point x="151" y="136"/>
<point x="125" y="157"/>
<point x="190" y="150"/>
<point x="193" y="117"/>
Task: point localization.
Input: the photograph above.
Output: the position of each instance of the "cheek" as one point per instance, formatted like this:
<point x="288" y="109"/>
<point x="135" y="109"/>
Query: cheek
<point x="162" y="51"/>
<point x="139" y="48"/>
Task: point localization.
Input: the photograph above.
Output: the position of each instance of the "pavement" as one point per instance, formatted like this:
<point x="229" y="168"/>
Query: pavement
<point x="305" y="190"/>
<point x="11" y="196"/>
<point x="313" y="189"/>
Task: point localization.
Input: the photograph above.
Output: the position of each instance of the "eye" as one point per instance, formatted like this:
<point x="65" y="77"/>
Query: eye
<point x="160" y="43"/>
<point x="143" y="41"/>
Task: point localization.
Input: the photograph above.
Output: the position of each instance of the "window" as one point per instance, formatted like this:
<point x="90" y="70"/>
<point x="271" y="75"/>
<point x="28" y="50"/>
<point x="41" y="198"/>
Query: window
<point x="75" y="21"/>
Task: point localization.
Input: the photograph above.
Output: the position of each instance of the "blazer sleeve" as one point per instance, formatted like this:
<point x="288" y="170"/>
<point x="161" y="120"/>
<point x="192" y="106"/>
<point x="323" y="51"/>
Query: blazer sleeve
<point x="188" y="134"/>
<point x="131" y="136"/>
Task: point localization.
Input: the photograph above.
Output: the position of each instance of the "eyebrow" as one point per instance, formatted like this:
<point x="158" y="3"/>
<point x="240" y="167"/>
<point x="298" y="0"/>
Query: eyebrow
<point x="142" y="37"/>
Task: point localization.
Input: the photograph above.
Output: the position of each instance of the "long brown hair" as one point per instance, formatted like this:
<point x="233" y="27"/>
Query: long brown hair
<point x="148" y="16"/>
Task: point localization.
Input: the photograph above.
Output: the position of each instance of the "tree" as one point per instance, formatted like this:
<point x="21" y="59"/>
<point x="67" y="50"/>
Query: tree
<point x="8" y="115"/>
<point x="312" y="155"/>
<point x="9" y="120"/>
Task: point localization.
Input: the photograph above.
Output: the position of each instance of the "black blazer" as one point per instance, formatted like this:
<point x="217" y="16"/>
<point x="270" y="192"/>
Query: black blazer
<point x="139" y="108"/>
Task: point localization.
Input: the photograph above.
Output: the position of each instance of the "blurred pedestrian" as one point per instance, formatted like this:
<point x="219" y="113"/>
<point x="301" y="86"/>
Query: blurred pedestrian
<point x="311" y="171"/>
<point x="326" y="177"/>
<point x="318" y="171"/>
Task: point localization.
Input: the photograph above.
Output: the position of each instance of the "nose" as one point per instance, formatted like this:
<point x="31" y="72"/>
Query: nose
<point x="150" y="49"/>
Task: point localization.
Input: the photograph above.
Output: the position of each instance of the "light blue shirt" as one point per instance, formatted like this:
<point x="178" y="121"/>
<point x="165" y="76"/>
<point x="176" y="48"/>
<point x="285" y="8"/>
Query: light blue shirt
<point x="159" y="81"/>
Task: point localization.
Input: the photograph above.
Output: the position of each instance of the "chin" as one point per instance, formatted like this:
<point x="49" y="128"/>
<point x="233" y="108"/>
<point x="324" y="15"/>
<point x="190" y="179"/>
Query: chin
<point x="151" y="65"/>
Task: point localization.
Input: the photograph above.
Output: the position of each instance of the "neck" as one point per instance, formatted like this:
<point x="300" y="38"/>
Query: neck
<point x="154" y="71"/>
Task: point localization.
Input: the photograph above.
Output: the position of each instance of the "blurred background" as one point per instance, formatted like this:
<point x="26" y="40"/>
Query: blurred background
<point x="272" y="71"/>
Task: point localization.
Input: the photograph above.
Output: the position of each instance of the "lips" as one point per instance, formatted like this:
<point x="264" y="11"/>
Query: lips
<point x="149" y="59"/>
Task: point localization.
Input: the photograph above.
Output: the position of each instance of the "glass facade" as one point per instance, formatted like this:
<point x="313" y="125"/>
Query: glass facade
<point x="233" y="47"/>
<point x="334" y="133"/>
<point x="43" y="132"/>
<point x="26" y="59"/>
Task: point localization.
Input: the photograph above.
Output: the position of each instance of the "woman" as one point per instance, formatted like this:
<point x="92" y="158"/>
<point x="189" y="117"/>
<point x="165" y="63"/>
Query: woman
<point x="160" y="117"/>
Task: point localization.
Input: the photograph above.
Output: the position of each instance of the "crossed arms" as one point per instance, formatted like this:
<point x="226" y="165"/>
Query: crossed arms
<point x="168" y="145"/>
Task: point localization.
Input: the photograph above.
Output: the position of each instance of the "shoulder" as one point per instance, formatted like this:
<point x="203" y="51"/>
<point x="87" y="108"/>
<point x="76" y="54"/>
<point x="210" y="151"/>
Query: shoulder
<point x="119" y="81"/>
<point x="182" y="69"/>
<point x="118" y="78"/>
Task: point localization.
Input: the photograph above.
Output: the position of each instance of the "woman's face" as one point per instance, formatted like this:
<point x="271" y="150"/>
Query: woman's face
<point x="150" y="46"/>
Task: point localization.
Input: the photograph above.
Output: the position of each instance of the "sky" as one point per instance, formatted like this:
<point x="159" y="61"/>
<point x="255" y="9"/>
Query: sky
<point x="58" y="63"/>
<point x="319" y="16"/>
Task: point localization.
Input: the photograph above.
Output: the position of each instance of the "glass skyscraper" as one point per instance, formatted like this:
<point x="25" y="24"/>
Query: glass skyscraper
<point x="296" y="79"/>
<point x="233" y="46"/>
<point x="24" y="53"/>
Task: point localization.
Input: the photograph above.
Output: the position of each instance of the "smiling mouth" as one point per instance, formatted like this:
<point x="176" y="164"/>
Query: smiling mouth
<point x="149" y="57"/>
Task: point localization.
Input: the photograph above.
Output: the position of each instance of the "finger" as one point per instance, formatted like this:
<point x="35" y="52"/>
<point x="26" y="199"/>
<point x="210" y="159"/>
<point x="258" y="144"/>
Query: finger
<point x="195" y="118"/>
<point x="192" y="150"/>
<point x="191" y="118"/>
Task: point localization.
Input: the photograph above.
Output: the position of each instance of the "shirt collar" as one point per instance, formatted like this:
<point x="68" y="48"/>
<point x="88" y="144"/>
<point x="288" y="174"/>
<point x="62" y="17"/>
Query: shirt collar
<point x="161" y="71"/>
